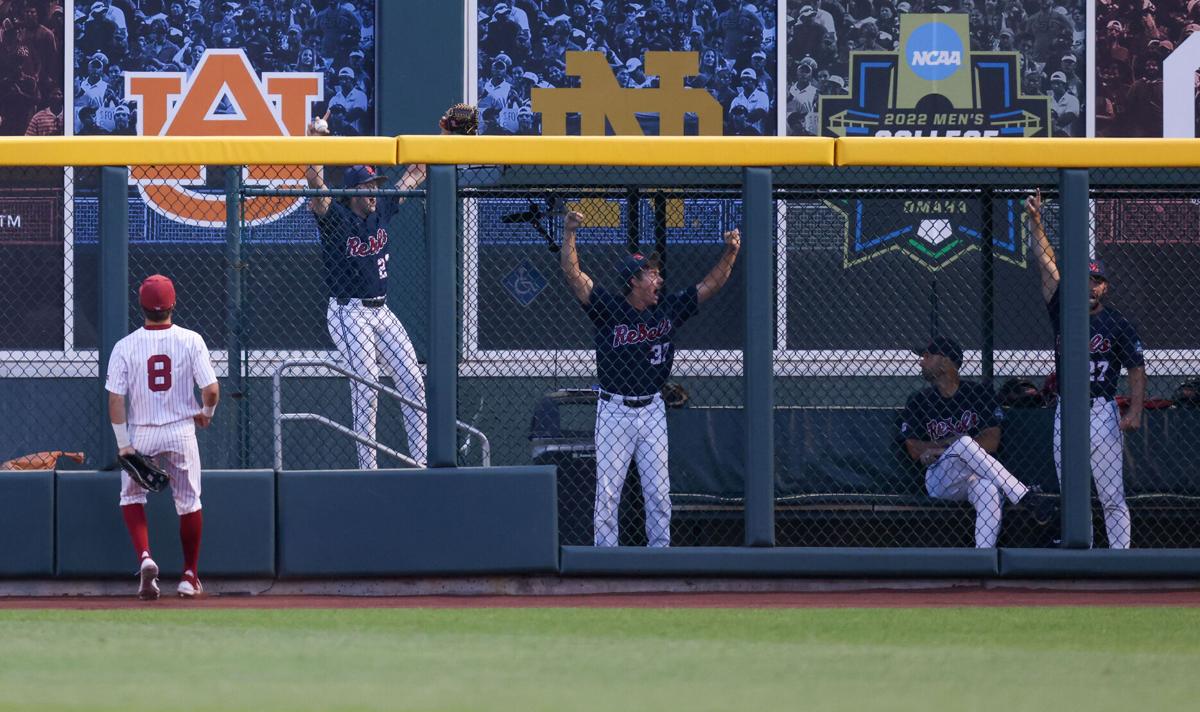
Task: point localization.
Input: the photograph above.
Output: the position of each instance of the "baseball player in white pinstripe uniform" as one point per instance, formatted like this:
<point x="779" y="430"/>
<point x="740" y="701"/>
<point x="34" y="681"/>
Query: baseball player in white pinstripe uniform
<point x="156" y="367"/>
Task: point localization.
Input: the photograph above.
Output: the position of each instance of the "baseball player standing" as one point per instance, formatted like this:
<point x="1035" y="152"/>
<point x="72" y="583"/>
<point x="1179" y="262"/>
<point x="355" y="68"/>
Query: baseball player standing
<point x="354" y="258"/>
<point x="633" y="360"/>
<point x="953" y="428"/>
<point x="1114" y="344"/>
<point x="156" y="367"/>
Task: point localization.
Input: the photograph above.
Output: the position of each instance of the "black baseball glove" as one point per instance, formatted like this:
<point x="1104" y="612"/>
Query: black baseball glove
<point x="460" y="119"/>
<point x="674" y="395"/>
<point x="144" y="471"/>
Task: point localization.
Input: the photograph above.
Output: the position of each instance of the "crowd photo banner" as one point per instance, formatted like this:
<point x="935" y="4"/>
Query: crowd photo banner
<point x="1146" y="61"/>
<point x="596" y="67"/>
<point x="919" y="68"/>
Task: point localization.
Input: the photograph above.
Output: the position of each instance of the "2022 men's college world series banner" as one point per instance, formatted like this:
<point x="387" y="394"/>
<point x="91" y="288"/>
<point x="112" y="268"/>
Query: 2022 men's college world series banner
<point x="916" y="69"/>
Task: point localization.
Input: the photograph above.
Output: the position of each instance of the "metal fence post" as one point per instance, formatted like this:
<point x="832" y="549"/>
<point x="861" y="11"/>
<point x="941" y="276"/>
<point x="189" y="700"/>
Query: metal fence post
<point x="233" y="309"/>
<point x="758" y="255"/>
<point x="441" y="391"/>
<point x="987" y="364"/>
<point x="114" y="284"/>
<point x="1073" y="376"/>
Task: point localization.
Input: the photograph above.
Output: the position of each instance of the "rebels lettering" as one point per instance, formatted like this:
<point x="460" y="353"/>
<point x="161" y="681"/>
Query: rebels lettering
<point x="1099" y="344"/>
<point x="939" y="429"/>
<point x="357" y="247"/>
<point x="628" y="335"/>
<point x="175" y="104"/>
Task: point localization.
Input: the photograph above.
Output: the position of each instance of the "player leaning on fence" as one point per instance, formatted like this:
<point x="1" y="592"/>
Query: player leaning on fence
<point x="355" y="252"/>
<point x="1113" y="344"/>
<point x="633" y="335"/>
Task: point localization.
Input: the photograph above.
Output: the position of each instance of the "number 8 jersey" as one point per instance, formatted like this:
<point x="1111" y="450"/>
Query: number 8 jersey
<point x="157" y="368"/>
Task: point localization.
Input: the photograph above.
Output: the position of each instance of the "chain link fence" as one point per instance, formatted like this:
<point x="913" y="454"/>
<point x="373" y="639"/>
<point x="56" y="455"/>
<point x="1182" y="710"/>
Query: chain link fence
<point x="913" y="307"/>
<point x="1143" y="245"/>
<point x="333" y="299"/>
<point x="47" y="336"/>
<point x="568" y="342"/>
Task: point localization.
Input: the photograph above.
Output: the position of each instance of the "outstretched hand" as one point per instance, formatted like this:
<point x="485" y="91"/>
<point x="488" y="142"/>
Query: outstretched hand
<point x="733" y="240"/>
<point x="319" y="126"/>
<point x="1033" y="206"/>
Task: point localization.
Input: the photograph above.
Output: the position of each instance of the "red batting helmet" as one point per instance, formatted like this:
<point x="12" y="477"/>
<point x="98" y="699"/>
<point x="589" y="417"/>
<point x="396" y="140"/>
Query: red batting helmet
<point x="157" y="293"/>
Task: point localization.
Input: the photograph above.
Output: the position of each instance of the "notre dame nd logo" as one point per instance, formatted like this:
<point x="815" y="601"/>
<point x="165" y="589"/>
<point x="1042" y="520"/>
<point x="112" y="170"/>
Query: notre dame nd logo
<point x="174" y="104"/>
<point x="600" y="100"/>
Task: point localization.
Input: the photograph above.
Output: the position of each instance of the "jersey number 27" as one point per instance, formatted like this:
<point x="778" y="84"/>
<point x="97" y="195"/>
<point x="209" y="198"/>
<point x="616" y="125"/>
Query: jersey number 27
<point x="158" y="373"/>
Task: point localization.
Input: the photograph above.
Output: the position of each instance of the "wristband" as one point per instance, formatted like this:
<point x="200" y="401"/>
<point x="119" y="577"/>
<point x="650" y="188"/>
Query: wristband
<point x="208" y="410"/>
<point x="122" y="433"/>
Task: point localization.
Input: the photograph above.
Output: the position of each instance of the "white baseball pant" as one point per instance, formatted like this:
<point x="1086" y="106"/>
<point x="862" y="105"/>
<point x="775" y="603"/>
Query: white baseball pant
<point x="966" y="471"/>
<point x="174" y="447"/>
<point x="623" y="433"/>
<point x="1108" y="469"/>
<point x="362" y="335"/>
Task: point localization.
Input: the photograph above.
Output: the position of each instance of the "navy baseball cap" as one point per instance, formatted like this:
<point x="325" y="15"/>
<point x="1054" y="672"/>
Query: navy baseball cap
<point x="631" y="265"/>
<point x="359" y="175"/>
<point x="1096" y="269"/>
<point x="942" y="346"/>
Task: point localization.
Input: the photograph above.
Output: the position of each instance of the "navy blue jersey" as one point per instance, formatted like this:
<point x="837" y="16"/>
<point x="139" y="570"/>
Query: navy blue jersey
<point x="1114" y="343"/>
<point x="633" y="348"/>
<point x="354" y="250"/>
<point x="930" y="417"/>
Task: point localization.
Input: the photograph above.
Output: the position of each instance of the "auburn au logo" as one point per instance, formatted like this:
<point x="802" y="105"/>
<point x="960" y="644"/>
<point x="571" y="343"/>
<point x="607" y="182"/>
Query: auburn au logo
<point x="175" y="104"/>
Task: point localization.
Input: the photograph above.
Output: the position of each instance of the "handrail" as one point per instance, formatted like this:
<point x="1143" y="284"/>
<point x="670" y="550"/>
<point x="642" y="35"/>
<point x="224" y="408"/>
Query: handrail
<point x="485" y="447"/>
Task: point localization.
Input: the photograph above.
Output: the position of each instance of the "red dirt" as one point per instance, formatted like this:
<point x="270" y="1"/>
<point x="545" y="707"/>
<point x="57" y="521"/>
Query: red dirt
<point x="927" y="598"/>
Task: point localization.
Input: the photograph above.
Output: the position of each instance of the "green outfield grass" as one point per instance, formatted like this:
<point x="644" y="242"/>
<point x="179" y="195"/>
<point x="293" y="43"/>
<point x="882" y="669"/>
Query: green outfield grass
<point x="1058" y="659"/>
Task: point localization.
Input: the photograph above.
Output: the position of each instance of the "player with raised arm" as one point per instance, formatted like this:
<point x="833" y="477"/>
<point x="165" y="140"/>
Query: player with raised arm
<point x="634" y="354"/>
<point x="1113" y="345"/>
<point x="355" y="251"/>
<point x="157" y="367"/>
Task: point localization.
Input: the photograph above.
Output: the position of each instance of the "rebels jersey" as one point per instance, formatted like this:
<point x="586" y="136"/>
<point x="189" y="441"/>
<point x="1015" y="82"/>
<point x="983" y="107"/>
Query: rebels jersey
<point x="1114" y="343"/>
<point x="354" y="250"/>
<point x="157" y="368"/>
<point x="930" y="417"/>
<point x="633" y="348"/>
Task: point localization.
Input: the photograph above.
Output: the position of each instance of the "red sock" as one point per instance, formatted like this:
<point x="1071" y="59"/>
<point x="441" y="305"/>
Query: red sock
<point x="190" y="526"/>
<point x="139" y="532"/>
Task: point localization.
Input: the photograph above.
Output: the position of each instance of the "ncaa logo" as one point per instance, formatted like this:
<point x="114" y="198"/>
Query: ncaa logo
<point x="175" y="104"/>
<point x="934" y="51"/>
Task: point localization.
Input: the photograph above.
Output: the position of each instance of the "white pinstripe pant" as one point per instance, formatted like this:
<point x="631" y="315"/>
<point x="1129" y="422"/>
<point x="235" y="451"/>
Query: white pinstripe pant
<point x="362" y="335"/>
<point x="175" y="449"/>
<point x="1108" y="468"/>
<point x="624" y="433"/>
<point x="967" y="472"/>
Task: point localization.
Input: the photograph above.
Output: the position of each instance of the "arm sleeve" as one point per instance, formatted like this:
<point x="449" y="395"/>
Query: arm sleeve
<point x="1129" y="347"/>
<point x="599" y="307"/>
<point x="117" y="380"/>
<point x="685" y="304"/>
<point x="910" y="427"/>
<point x="202" y="370"/>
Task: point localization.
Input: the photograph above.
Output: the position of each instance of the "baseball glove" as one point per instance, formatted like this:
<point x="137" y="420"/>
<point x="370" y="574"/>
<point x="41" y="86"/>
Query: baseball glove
<point x="47" y="460"/>
<point x="144" y="471"/>
<point x="674" y="395"/>
<point x="461" y="119"/>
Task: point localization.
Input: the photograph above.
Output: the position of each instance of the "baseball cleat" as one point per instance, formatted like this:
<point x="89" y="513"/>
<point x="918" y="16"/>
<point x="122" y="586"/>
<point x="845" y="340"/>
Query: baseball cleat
<point x="148" y="573"/>
<point x="189" y="586"/>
